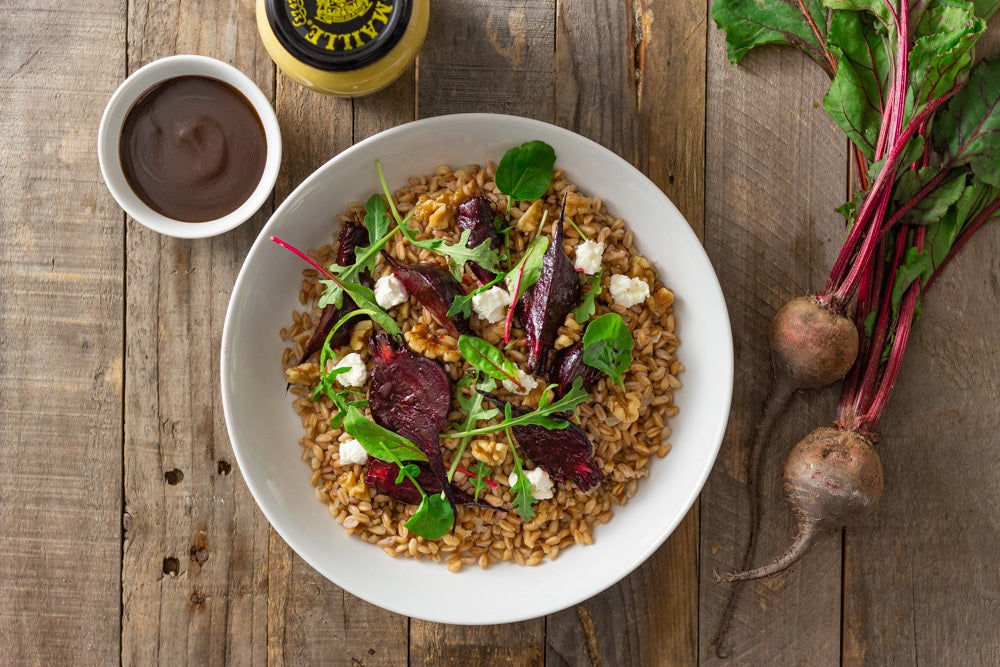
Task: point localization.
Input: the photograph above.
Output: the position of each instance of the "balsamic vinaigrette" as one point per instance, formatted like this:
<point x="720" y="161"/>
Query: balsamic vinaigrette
<point x="193" y="148"/>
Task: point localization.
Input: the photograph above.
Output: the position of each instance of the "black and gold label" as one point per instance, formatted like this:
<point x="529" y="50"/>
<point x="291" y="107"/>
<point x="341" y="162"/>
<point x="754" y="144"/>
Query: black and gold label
<point x="340" y="26"/>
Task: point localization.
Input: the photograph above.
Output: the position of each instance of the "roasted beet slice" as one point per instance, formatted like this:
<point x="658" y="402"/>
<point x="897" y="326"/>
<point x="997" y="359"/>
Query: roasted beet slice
<point x="411" y="395"/>
<point x="546" y="305"/>
<point x="477" y="214"/>
<point x="352" y="236"/>
<point x="434" y="288"/>
<point x="567" y="365"/>
<point x="566" y="454"/>
<point x="382" y="475"/>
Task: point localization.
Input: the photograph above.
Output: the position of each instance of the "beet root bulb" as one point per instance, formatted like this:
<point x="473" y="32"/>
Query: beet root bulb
<point x="831" y="478"/>
<point x="811" y="346"/>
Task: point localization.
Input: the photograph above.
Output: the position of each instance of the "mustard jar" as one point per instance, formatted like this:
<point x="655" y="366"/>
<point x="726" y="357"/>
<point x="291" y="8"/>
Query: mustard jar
<point x="343" y="47"/>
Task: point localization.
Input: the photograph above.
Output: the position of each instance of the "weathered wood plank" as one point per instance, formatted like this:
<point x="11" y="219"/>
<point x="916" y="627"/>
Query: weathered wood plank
<point x="60" y="338"/>
<point x="491" y="56"/>
<point x="654" y="51"/>
<point x="505" y="66"/>
<point x="776" y="168"/>
<point x="310" y="620"/>
<point x="195" y="554"/>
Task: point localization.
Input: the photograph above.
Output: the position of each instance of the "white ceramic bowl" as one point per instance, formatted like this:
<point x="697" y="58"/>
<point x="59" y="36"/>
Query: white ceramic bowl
<point x="265" y="431"/>
<point x="110" y="130"/>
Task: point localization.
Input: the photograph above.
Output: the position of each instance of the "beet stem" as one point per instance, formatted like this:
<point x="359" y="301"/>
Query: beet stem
<point x="808" y="532"/>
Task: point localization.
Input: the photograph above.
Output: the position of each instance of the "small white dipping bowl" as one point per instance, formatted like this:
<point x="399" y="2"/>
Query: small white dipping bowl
<point x="121" y="102"/>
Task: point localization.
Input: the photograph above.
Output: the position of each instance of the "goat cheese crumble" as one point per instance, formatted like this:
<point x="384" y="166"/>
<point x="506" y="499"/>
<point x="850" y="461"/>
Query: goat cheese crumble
<point x="528" y="382"/>
<point x="389" y="292"/>
<point x="627" y="291"/>
<point x="357" y="374"/>
<point x="491" y="304"/>
<point x="351" y="451"/>
<point x="541" y="483"/>
<point x="588" y="257"/>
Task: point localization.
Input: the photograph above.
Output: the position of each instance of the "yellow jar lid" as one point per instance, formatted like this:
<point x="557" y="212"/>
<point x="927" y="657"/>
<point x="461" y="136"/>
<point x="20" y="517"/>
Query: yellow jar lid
<point x="338" y="35"/>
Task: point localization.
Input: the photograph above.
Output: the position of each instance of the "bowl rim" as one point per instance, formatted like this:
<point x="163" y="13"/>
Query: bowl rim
<point x="121" y="102"/>
<point x="725" y="358"/>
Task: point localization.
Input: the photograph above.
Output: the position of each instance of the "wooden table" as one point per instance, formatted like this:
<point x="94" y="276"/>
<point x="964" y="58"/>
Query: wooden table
<point x="126" y="531"/>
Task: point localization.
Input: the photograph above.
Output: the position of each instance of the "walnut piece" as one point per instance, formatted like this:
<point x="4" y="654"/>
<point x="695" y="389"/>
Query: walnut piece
<point x="490" y="452"/>
<point x="432" y="343"/>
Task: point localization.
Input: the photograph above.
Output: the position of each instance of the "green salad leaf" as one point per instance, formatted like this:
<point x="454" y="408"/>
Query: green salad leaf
<point x="525" y="171"/>
<point x="607" y="346"/>
<point x="456" y="253"/>
<point x="523" y="502"/>
<point x="485" y="357"/>
<point x="379" y="441"/>
<point x="588" y="303"/>
<point x="433" y="518"/>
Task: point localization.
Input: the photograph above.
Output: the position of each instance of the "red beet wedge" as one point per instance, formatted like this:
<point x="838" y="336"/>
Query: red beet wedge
<point x="543" y="309"/>
<point x="477" y="214"/>
<point x="567" y="365"/>
<point x="566" y="454"/>
<point x="434" y="288"/>
<point x="382" y="475"/>
<point x="411" y="395"/>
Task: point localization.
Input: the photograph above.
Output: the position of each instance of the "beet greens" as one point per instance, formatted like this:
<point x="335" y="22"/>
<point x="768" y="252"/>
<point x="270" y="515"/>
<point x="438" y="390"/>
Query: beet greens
<point x="924" y="126"/>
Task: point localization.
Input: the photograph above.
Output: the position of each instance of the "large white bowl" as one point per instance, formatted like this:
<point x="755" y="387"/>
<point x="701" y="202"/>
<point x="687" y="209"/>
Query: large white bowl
<point x="264" y="430"/>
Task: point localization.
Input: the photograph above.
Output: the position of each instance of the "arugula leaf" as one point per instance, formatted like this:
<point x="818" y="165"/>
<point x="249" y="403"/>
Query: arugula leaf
<point x="607" y="346"/>
<point x="462" y="303"/>
<point x="548" y="415"/>
<point x="968" y="129"/>
<point x="364" y="297"/>
<point x="456" y="253"/>
<point x="433" y="518"/>
<point x="525" y="171"/>
<point x="472" y="405"/>
<point x="339" y="396"/>
<point x="752" y="23"/>
<point x="408" y="470"/>
<point x="348" y="275"/>
<point x="487" y="358"/>
<point x="482" y="473"/>
<point x="856" y="98"/>
<point x="588" y="304"/>
<point x="380" y="442"/>
<point x="935" y="203"/>
<point x="523" y="501"/>
<point x="376" y="218"/>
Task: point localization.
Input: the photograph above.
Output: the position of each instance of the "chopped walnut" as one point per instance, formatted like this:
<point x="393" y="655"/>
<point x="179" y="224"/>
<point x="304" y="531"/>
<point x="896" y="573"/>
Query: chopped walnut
<point x="626" y="409"/>
<point x="432" y="343"/>
<point x="440" y="218"/>
<point x="490" y="452"/>
<point x="662" y="299"/>
<point x="562" y="341"/>
<point x="354" y="485"/>
<point x="307" y="374"/>
<point x="528" y="222"/>
<point x="577" y="204"/>
<point x="362" y="332"/>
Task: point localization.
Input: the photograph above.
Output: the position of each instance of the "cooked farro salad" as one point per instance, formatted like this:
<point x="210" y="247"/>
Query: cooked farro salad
<point x="484" y="366"/>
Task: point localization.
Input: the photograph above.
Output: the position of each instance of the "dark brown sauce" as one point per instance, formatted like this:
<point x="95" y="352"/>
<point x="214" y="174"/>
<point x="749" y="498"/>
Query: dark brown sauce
<point x="192" y="148"/>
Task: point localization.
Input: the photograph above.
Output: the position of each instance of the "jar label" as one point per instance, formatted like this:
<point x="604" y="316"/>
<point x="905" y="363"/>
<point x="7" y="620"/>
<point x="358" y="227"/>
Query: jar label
<point x="340" y="26"/>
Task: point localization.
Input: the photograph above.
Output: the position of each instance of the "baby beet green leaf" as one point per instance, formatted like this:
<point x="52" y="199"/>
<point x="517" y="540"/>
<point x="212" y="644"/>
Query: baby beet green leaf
<point x="588" y="305"/>
<point x="433" y="518"/>
<point x="487" y="359"/>
<point x="525" y="171"/>
<point x="752" y="23"/>
<point x="969" y="128"/>
<point x="607" y="346"/>
<point x="380" y="442"/>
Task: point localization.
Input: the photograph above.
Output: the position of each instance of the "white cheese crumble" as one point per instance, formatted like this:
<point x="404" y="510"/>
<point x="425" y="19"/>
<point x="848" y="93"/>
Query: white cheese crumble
<point x="627" y="291"/>
<point x="541" y="483"/>
<point x="588" y="257"/>
<point x="358" y="373"/>
<point x="528" y="382"/>
<point x="491" y="305"/>
<point x="351" y="451"/>
<point x="389" y="292"/>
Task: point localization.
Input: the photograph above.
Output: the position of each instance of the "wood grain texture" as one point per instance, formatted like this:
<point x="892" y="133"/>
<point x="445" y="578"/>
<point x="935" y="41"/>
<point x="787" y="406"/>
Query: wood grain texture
<point x="60" y="339"/>
<point x="488" y="56"/>
<point x="776" y="168"/>
<point x="497" y="57"/>
<point x="195" y="554"/>
<point x="310" y="620"/>
<point x="652" y="53"/>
